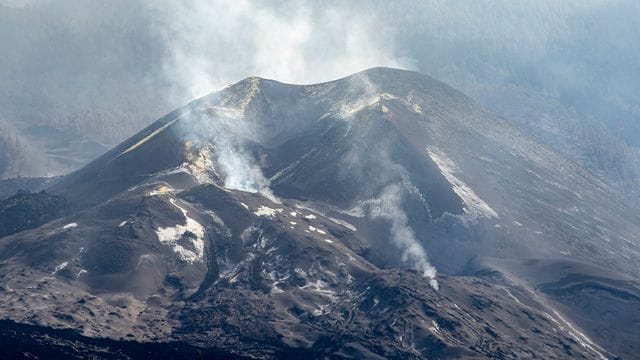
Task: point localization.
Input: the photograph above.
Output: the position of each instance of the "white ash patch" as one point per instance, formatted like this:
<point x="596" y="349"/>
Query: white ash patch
<point x="164" y="189"/>
<point x="171" y="235"/>
<point x="80" y="273"/>
<point x="580" y="337"/>
<point x="411" y="101"/>
<point x="201" y="165"/>
<point x="435" y="329"/>
<point x="300" y="272"/>
<point x="70" y="226"/>
<point x="346" y="110"/>
<point x="337" y="221"/>
<point x="267" y="211"/>
<point x="344" y="223"/>
<point x="313" y="228"/>
<point x="148" y="137"/>
<point x="511" y="295"/>
<point x="320" y="287"/>
<point x="474" y="205"/>
<point x="60" y="267"/>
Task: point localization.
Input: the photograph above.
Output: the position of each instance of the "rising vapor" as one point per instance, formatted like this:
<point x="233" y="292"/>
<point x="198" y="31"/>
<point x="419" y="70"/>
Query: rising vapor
<point x="209" y="44"/>
<point x="388" y="206"/>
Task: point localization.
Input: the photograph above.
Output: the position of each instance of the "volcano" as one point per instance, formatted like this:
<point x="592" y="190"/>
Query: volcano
<point x="382" y="215"/>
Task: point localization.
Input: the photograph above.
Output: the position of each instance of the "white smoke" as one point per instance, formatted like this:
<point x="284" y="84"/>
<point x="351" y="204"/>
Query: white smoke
<point x="389" y="206"/>
<point x="209" y="44"/>
<point x="225" y="137"/>
<point x="238" y="169"/>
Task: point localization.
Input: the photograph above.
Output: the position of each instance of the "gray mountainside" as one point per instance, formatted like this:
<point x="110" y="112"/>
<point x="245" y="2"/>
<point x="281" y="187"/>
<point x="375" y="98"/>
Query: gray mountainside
<point x="564" y="71"/>
<point x="383" y="215"/>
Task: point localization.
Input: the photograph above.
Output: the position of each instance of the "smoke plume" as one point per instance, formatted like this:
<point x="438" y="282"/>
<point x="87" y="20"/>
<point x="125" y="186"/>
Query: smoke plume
<point x="209" y="44"/>
<point x="388" y="206"/>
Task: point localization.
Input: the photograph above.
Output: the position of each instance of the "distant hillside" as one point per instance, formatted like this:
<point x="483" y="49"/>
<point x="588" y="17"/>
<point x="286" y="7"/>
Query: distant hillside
<point x="87" y="88"/>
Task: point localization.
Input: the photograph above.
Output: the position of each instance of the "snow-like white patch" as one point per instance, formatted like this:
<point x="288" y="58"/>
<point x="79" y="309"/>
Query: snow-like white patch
<point x="70" y="226"/>
<point x="474" y="205"/>
<point x="313" y="217"/>
<point x="346" y="110"/>
<point x="435" y="329"/>
<point x="410" y="100"/>
<point x="581" y="338"/>
<point x="375" y="302"/>
<point x="293" y="213"/>
<point x="60" y="267"/>
<point x="329" y="241"/>
<point x="344" y="223"/>
<point x="321" y="310"/>
<point x="123" y="224"/>
<point x="313" y="228"/>
<point x="164" y="189"/>
<point x="83" y="271"/>
<point x="266" y="211"/>
<point x="201" y="165"/>
<point x="300" y="272"/>
<point x="293" y="223"/>
<point x="171" y="235"/>
<point x="511" y="295"/>
<point x="244" y="205"/>
<point x="320" y="287"/>
<point x="149" y="137"/>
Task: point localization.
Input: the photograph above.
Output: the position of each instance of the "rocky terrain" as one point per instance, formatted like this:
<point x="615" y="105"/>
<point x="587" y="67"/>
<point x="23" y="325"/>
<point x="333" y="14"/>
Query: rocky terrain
<point x="383" y="215"/>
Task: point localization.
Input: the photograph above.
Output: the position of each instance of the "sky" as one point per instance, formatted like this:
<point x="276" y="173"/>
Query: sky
<point x="559" y="46"/>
